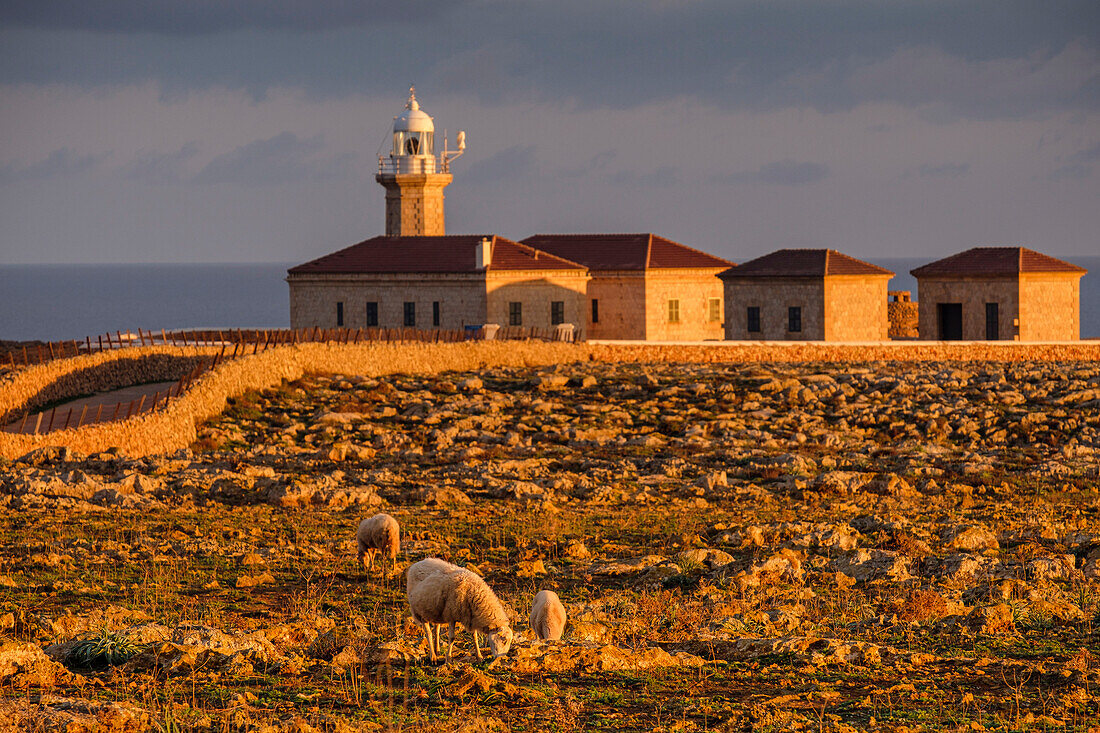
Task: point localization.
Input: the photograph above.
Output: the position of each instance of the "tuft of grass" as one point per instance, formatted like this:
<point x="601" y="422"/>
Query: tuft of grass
<point x="105" y="649"/>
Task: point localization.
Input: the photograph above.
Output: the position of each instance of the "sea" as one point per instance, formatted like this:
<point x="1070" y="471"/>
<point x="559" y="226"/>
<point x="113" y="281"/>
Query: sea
<point x="62" y="302"/>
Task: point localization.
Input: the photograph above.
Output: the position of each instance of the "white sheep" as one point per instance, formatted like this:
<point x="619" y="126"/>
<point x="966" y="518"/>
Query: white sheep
<point x="547" y="615"/>
<point x="458" y="596"/>
<point x="380" y="533"/>
<point x="416" y="573"/>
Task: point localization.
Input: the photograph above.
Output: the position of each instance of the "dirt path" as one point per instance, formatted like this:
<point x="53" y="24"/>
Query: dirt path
<point x="105" y="406"/>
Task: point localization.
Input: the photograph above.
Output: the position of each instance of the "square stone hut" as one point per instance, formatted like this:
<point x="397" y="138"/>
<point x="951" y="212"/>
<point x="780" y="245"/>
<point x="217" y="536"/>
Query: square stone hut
<point x="447" y="282"/>
<point x="999" y="293"/>
<point x="644" y="286"/>
<point x="806" y="295"/>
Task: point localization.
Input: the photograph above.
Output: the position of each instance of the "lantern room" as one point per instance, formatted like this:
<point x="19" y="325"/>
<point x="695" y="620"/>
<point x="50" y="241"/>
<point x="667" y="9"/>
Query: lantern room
<point x="413" y="144"/>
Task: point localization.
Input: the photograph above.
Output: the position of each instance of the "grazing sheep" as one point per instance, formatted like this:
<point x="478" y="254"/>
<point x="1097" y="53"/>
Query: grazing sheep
<point x="459" y="596"/>
<point x="547" y="615"/>
<point x="416" y="573"/>
<point x="379" y="533"/>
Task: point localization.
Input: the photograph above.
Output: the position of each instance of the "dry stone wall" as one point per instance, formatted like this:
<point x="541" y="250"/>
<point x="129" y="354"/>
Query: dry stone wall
<point x="175" y="426"/>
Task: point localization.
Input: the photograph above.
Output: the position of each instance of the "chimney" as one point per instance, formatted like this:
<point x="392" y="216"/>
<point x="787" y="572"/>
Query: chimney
<point x="483" y="254"/>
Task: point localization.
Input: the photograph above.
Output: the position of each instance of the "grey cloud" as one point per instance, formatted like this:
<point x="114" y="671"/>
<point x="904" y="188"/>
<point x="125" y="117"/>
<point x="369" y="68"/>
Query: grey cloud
<point x="598" y="162"/>
<point x="285" y="158"/>
<point x="661" y="177"/>
<point x="973" y="57"/>
<point x="1089" y="154"/>
<point x="160" y="168"/>
<point x="517" y="161"/>
<point x="947" y="170"/>
<point x="1072" y="172"/>
<point x="779" y="173"/>
<point x="181" y="17"/>
<point x="61" y="162"/>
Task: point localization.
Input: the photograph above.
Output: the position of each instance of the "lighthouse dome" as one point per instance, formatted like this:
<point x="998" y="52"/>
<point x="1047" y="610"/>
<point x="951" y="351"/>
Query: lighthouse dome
<point x="413" y="119"/>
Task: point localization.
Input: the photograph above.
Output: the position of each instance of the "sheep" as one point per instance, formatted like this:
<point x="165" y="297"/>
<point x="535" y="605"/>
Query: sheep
<point x="416" y="573"/>
<point x="459" y="596"/>
<point x="380" y="533"/>
<point x="547" y="615"/>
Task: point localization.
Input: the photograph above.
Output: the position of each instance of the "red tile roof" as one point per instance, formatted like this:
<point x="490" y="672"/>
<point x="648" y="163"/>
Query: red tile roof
<point x="450" y="253"/>
<point x="994" y="262"/>
<point x="624" y="251"/>
<point x="804" y="263"/>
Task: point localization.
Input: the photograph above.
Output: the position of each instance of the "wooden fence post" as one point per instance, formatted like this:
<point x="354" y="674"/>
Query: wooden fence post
<point x="99" y="412"/>
<point x="38" y="423"/>
<point x="83" y="414"/>
<point x="23" y="425"/>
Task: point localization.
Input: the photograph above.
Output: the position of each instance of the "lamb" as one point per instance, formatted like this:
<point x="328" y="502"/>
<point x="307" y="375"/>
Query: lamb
<point x="458" y="596"/>
<point x="380" y="533"/>
<point x="547" y="615"/>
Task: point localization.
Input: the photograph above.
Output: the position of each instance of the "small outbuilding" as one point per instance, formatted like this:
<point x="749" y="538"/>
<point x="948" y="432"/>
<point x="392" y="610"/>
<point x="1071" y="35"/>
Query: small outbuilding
<point x="644" y="286"/>
<point x="999" y="293"/>
<point x="806" y="295"/>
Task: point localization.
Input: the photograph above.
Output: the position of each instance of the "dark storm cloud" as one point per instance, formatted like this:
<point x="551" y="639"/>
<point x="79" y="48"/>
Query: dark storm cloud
<point x="61" y="162"/>
<point x="779" y="173"/>
<point x="973" y="57"/>
<point x="285" y="158"/>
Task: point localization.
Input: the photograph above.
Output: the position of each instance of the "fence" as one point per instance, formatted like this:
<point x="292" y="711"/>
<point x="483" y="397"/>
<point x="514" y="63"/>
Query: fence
<point x="251" y="341"/>
<point x="92" y="411"/>
<point x="242" y="341"/>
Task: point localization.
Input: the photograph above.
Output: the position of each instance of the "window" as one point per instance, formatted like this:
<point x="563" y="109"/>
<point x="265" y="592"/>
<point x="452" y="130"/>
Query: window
<point x="794" y="319"/>
<point x="339" y="313"/>
<point x="410" y="314"/>
<point x="557" y="312"/>
<point x="595" y="310"/>
<point x="992" y="322"/>
<point x="754" y="319"/>
<point x="674" y="311"/>
<point x="435" y="312"/>
<point x="372" y="314"/>
<point x="714" y="309"/>
<point x="515" y="314"/>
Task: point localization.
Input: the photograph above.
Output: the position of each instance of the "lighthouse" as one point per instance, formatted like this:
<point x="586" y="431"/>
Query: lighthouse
<point x="413" y="176"/>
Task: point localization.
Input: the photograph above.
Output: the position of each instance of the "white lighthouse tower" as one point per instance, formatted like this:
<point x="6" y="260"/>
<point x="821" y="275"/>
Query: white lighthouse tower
<point x="414" y="178"/>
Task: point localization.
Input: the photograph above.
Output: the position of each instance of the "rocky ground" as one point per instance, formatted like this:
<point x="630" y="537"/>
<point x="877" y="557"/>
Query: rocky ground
<point x="822" y="547"/>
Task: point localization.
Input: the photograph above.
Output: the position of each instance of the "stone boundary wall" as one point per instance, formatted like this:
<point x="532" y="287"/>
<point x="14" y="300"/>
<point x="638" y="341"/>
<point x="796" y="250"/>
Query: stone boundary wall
<point x="806" y="351"/>
<point x="175" y="426"/>
<point x="903" y="317"/>
<point x="30" y="388"/>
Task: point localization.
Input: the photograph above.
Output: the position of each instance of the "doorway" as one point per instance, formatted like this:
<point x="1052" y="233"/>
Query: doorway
<point x="950" y="317"/>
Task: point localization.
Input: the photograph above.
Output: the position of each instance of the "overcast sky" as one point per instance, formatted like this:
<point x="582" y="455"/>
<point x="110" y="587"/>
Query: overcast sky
<point x="240" y="131"/>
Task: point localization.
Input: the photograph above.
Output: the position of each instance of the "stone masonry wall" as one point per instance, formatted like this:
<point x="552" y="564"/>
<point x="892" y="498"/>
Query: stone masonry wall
<point x="535" y="291"/>
<point x="855" y="308"/>
<point x="973" y="294"/>
<point x="622" y="305"/>
<point x="414" y="203"/>
<point x="774" y="297"/>
<point x="904" y="319"/>
<point x="461" y="298"/>
<point x="1050" y="306"/>
<point x="693" y="288"/>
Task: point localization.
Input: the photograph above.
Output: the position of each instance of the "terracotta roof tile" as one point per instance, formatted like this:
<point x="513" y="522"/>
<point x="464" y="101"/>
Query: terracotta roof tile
<point x="994" y="262"/>
<point x="804" y="263"/>
<point x="624" y="251"/>
<point x="450" y="253"/>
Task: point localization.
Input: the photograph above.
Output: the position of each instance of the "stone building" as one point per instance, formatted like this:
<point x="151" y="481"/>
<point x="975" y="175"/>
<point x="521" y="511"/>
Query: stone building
<point x="806" y="295"/>
<point x="999" y="293"/>
<point x="643" y="286"/>
<point x="637" y="286"/>
<point x="446" y="282"/>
